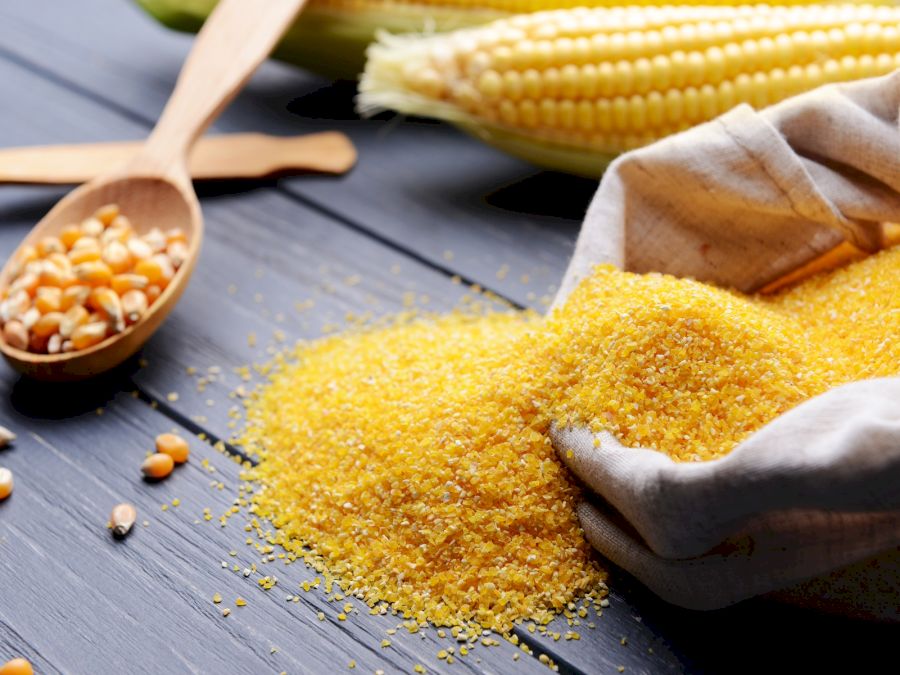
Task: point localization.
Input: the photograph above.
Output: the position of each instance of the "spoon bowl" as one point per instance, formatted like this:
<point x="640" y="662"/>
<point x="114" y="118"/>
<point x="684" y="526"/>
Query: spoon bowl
<point x="154" y="188"/>
<point x="154" y="201"/>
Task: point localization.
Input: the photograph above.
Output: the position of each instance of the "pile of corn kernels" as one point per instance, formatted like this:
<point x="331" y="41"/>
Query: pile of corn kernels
<point x="90" y="282"/>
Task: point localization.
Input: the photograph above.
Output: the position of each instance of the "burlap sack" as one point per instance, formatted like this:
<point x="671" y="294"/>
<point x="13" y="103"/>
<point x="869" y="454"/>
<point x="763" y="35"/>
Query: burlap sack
<point x="809" y="506"/>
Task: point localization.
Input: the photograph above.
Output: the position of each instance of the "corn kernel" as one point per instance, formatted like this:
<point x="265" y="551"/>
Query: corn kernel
<point x="158" y="270"/>
<point x="105" y="300"/>
<point x="127" y="282"/>
<point x="92" y="227"/>
<point x="76" y="316"/>
<point x="116" y="255"/>
<point x="47" y="325"/>
<point x="157" y="465"/>
<point x="49" y="245"/>
<point x="134" y="305"/>
<point x="74" y="295"/>
<point x="89" y="334"/>
<point x="6" y="483"/>
<point x="174" y="446"/>
<point x="15" y="334"/>
<point x="93" y="273"/>
<point x="107" y="213"/>
<point x="48" y="299"/>
<point x="69" y="235"/>
<point x="85" y="251"/>
<point x="18" y="666"/>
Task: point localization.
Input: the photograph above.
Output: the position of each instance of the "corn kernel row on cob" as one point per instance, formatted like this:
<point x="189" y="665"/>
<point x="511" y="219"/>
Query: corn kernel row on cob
<point x="330" y="36"/>
<point x="570" y="89"/>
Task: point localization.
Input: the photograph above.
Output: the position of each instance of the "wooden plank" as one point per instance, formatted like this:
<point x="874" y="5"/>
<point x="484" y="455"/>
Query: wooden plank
<point x="487" y="217"/>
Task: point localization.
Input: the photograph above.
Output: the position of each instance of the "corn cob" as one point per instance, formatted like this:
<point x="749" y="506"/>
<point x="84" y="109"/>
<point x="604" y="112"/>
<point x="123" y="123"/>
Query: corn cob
<point x="330" y="36"/>
<point x="571" y="89"/>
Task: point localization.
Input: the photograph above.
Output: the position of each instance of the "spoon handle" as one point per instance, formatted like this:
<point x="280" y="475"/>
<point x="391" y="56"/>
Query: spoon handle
<point x="236" y="38"/>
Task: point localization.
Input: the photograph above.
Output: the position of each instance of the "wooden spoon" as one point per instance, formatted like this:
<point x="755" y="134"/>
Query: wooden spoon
<point x="241" y="155"/>
<point x="154" y="189"/>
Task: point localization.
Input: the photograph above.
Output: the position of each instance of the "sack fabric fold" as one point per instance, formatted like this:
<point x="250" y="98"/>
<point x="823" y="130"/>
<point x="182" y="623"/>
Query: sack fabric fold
<point x="807" y="508"/>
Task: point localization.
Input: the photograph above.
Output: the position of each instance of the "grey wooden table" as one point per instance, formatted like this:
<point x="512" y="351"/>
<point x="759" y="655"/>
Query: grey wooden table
<point x="423" y="205"/>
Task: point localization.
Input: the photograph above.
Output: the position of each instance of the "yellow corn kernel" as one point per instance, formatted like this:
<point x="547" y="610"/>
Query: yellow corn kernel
<point x="177" y="252"/>
<point x="121" y="222"/>
<point x="47" y="325"/>
<point x="176" y="234"/>
<point x="27" y="282"/>
<point x="6" y="483"/>
<point x="17" y="666"/>
<point x="174" y="446"/>
<point x="106" y="300"/>
<point x="89" y="335"/>
<point x="69" y="235"/>
<point x="116" y="255"/>
<point x="60" y="261"/>
<point x="86" y="252"/>
<point x="152" y="293"/>
<point x="74" y="295"/>
<point x="51" y="275"/>
<point x="107" y="213"/>
<point x="93" y="273"/>
<point x="15" y="334"/>
<point x="49" y="245"/>
<point x="155" y="239"/>
<point x="139" y="248"/>
<point x="126" y="282"/>
<point x="134" y="305"/>
<point x="117" y="233"/>
<point x="74" y="317"/>
<point x="48" y="299"/>
<point x="158" y="270"/>
<point x="122" y="519"/>
<point x="54" y="344"/>
<point x="157" y="465"/>
<point x="92" y="227"/>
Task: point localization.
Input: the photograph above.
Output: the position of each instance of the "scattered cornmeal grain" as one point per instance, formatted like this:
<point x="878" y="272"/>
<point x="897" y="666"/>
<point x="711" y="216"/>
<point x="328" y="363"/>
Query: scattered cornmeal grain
<point x="430" y="435"/>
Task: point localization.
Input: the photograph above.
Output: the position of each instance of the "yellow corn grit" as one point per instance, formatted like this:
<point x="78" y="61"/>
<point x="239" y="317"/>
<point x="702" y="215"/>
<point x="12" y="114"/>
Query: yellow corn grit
<point x="412" y="462"/>
<point x="406" y="462"/>
<point x="671" y="364"/>
<point x="852" y="315"/>
<point x="571" y="89"/>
